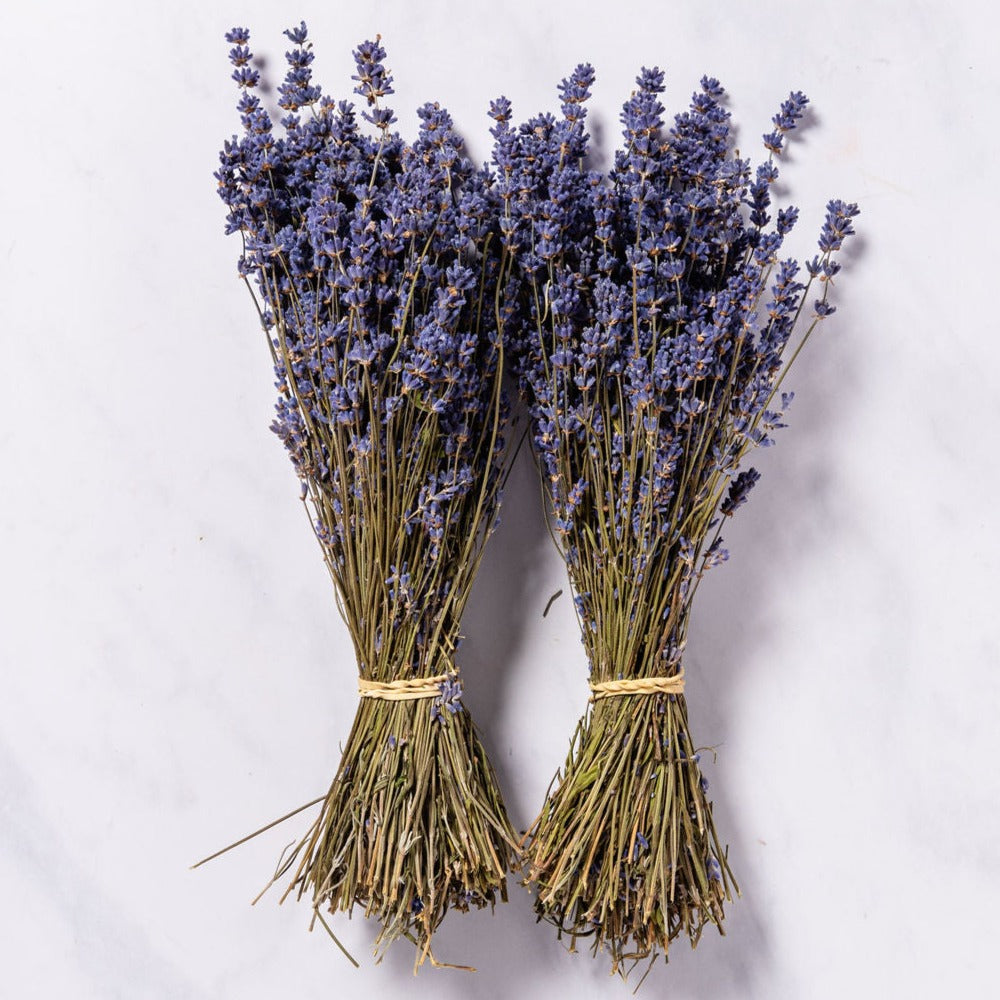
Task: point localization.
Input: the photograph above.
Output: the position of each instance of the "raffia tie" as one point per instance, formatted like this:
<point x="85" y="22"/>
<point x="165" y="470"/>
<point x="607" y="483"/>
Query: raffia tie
<point x="674" y="684"/>
<point x="407" y="689"/>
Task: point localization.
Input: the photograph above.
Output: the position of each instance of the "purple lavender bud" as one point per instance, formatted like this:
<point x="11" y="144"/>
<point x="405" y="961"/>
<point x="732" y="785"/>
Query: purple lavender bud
<point x="739" y="491"/>
<point x="837" y="226"/>
<point x="791" y="111"/>
<point x="712" y="88"/>
<point x="641" y="844"/>
<point x="297" y="35"/>
<point x="650" y="80"/>
<point x="575" y="91"/>
<point x="373" y="80"/>
<point x="786" y="219"/>
<point x="246" y="76"/>
<point x="450" y="698"/>
<point x="500" y="110"/>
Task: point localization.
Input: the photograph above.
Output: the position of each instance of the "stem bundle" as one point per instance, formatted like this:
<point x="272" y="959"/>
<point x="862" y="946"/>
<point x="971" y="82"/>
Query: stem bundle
<point x="413" y="825"/>
<point x="375" y="266"/>
<point x="626" y="854"/>
<point x="647" y="314"/>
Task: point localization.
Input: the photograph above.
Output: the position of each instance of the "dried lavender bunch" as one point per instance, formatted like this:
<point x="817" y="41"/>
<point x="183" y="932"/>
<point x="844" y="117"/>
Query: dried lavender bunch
<point x="647" y="314"/>
<point x="374" y="262"/>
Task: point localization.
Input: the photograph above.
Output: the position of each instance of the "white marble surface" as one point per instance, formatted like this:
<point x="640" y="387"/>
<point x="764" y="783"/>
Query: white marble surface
<point x="174" y="672"/>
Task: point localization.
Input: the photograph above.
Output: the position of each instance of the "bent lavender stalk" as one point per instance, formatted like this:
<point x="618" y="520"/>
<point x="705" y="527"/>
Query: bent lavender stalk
<point x="373" y="262"/>
<point x="647" y="314"/>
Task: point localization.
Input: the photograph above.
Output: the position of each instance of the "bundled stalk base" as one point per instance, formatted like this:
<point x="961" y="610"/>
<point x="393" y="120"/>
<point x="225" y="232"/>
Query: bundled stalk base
<point x="626" y="851"/>
<point x="413" y="825"/>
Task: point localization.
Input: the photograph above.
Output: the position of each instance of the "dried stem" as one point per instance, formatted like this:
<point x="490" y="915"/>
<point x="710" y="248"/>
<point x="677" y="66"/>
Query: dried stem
<point x="626" y="852"/>
<point x="413" y="825"/>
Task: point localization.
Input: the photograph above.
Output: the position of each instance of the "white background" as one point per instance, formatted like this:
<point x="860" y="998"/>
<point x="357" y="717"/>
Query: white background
<point x="174" y="672"/>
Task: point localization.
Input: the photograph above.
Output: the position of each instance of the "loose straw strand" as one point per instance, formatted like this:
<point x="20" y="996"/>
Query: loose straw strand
<point x="406" y="689"/>
<point x="674" y="684"/>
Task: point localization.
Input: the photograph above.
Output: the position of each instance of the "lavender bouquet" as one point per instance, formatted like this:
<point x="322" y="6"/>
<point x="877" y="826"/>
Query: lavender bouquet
<point x="647" y="313"/>
<point x="372" y="261"/>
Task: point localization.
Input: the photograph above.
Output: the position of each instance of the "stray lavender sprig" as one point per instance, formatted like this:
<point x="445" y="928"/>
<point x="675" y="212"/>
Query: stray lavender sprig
<point x="373" y="263"/>
<point x="647" y="314"/>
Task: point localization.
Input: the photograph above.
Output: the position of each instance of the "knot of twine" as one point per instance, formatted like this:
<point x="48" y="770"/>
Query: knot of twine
<point x="674" y="684"/>
<point x="407" y="689"/>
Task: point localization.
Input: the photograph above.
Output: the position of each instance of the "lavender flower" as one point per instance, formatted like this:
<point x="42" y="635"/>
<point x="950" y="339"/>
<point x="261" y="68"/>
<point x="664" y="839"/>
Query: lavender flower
<point x="647" y="314"/>
<point x="739" y="491"/>
<point x="374" y="261"/>
<point x="369" y="256"/>
<point x="449" y="700"/>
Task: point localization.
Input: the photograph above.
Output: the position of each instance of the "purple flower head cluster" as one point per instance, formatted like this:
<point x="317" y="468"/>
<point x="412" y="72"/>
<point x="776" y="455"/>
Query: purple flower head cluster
<point x="646" y="316"/>
<point x="449" y="700"/>
<point x="836" y="228"/>
<point x="739" y="492"/>
<point x="785" y="120"/>
<point x="373" y="82"/>
<point x="372" y="258"/>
